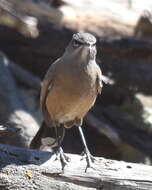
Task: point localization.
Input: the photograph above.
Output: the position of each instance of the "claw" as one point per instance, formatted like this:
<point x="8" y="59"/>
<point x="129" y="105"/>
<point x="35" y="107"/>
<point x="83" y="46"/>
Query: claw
<point x="60" y="155"/>
<point x="89" y="159"/>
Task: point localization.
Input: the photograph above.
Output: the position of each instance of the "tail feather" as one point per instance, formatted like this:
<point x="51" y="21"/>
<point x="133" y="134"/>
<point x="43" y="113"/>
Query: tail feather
<point x="48" y="137"/>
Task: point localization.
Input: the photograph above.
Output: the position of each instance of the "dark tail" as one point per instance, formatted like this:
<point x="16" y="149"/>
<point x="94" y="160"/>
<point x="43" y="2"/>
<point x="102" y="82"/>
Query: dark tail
<point x="55" y="136"/>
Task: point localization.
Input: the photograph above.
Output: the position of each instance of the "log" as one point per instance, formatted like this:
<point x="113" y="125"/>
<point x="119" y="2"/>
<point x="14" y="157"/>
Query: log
<point x="32" y="169"/>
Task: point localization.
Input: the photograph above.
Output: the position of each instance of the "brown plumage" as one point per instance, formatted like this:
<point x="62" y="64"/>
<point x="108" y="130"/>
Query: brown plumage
<point x="70" y="86"/>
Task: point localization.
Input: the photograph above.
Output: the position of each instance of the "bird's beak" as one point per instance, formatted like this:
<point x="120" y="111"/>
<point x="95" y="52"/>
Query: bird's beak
<point x="92" y="52"/>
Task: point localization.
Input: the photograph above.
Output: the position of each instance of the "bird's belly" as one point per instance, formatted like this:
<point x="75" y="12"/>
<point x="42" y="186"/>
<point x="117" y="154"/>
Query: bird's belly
<point x="77" y="110"/>
<point x="66" y="105"/>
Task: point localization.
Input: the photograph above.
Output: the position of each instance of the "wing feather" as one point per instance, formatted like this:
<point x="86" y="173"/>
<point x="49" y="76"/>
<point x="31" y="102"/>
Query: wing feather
<point x="47" y="85"/>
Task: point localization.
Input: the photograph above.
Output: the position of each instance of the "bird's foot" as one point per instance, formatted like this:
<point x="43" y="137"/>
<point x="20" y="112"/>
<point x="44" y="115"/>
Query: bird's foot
<point x="62" y="157"/>
<point x="89" y="159"/>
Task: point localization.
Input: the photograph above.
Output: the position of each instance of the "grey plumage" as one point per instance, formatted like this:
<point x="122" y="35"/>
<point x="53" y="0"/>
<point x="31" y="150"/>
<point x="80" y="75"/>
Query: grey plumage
<point x="71" y="85"/>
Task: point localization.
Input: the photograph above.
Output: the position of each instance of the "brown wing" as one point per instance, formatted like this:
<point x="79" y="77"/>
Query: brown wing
<point x="46" y="88"/>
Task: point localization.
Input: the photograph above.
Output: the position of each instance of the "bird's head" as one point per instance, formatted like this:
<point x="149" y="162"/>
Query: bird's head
<point x="84" y="45"/>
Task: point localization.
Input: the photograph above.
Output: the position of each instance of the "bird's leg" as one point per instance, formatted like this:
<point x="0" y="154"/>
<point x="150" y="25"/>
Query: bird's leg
<point x="63" y="158"/>
<point x="89" y="157"/>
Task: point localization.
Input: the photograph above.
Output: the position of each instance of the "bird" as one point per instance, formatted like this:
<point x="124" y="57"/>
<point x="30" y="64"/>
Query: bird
<point x="69" y="90"/>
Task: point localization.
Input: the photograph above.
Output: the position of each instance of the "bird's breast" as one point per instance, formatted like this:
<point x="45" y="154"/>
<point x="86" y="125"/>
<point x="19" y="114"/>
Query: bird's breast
<point x="73" y="94"/>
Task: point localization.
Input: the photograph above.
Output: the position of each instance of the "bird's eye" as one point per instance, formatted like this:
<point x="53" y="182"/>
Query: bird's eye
<point x="76" y="43"/>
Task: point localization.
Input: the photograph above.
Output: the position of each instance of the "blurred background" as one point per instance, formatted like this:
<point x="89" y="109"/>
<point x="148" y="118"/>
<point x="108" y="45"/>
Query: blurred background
<point x="34" y="33"/>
